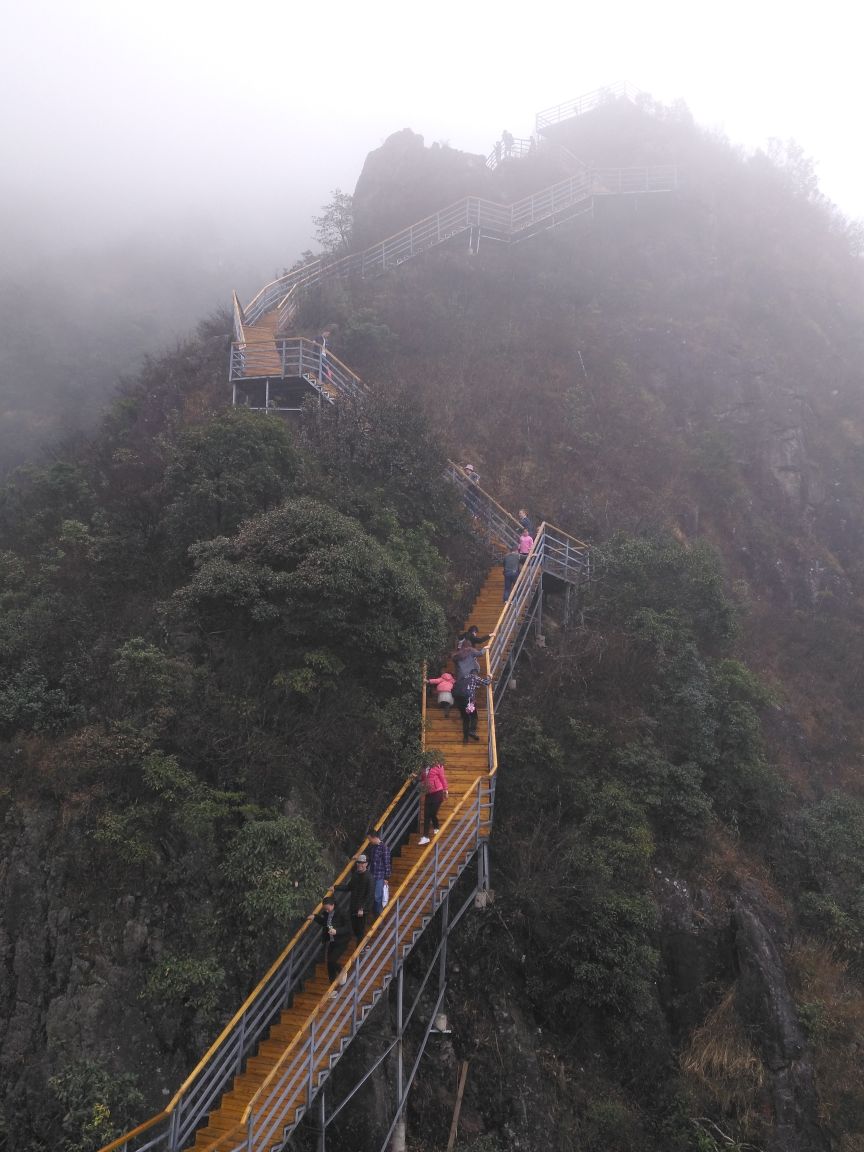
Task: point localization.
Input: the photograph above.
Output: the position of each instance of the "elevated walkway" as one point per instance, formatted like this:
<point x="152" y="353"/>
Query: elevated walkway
<point x="259" y="328"/>
<point x="272" y="1061"/>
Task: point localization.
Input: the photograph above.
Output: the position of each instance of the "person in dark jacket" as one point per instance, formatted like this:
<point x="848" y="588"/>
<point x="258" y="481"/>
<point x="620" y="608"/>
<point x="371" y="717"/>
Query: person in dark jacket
<point x="334" y="934"/>
<point x="361" y="896"/>
<point x="380" y="866"/>
<point x="511" y="571"/>
<point x="464" y="697"/>
<point x="471" y="638"/>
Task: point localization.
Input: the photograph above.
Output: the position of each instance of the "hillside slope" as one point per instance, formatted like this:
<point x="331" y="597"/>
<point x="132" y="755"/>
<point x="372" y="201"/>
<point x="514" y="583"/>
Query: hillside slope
<point x="212" y="623"/>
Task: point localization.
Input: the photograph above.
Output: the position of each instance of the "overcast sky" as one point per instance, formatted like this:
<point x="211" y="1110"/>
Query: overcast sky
<point x="118" y="116"/>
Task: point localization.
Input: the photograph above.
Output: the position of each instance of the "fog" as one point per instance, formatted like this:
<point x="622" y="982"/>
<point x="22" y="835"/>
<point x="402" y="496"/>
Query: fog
<point x="207" y="134"/>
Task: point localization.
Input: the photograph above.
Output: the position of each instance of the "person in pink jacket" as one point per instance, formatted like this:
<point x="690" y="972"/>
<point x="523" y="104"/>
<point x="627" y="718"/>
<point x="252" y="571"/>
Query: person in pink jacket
<point x="525" y="542"/>
<point x="435" y="781"/>
<point x="444" y="686"/>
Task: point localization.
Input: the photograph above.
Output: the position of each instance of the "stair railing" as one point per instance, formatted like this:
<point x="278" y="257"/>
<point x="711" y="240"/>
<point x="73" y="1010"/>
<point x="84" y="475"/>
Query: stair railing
<point x="289" y="357"/>
<point x="495" y="221"/>
<point x="200" y="1092"/>
<point x="238" y="316"/>
<point x="490" y="519"/>
<point x="309" y="1057"/>
<point x="586" y="103"/>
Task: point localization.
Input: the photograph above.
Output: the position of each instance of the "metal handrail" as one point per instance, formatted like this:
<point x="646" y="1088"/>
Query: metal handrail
<point x="513" y="149"/>
<point x="294" y="357"/>
<point x="491" y="218"/>
<point x="586" y="103"/>
<point x="387" y="938"/>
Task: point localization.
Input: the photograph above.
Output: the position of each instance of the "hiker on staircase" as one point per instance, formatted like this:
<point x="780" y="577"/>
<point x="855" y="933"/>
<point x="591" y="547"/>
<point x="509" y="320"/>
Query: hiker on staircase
<point x="362" y="896"/>
<point x="511" y="571"/>
<point x="334" y="935"/>
<point x="380" y="865"/>
<point x="434" y="780"/>
<point x="464" y="695"/>
<point x="444" y="687"/>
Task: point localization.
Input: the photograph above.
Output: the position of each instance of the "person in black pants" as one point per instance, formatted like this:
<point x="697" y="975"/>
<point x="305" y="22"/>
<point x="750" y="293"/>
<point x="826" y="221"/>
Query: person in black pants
<point x="362" y="896"/>
<point x="334" y="935"/>
<point x="464" y="697"/>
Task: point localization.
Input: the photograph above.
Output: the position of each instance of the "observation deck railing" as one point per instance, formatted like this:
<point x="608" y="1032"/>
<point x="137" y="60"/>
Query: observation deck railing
<point x="586" y="103"/>
<point x="553" y="553"/>
<point x="295" y="357"/>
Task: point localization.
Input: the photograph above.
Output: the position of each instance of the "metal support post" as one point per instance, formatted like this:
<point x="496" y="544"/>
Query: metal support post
<point x="445" y="929"/>
<point x="173" y="1132"/>
<point x="540" y="609"/>
<point x="483" y="867"/>
<point x="233" y="395"/>
<point x="567" y="591"/>
<point x="267" y="394"/>
<point x="400" y="1025"/>
<point x="322" y="1121"/>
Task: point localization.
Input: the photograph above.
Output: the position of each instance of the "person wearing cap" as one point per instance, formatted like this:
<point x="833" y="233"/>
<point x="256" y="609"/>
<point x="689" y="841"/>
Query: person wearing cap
<point x="361" y="896"/>
<point x="471" y="473"/>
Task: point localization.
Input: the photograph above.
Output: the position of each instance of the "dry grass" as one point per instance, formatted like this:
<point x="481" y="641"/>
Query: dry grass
<point x="832" y="1009"/>
<point x="721" y="1063"/>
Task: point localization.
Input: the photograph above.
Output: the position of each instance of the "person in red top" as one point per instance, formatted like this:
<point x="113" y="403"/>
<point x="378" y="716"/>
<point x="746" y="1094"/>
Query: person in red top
<point x="435" y="780"/>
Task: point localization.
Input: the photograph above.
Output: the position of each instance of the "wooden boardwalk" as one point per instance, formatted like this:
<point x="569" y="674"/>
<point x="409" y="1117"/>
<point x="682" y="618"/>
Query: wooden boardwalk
<point x="467" y="767"/>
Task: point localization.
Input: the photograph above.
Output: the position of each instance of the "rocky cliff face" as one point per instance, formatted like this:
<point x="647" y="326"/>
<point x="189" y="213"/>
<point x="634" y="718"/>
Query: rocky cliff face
<point x="403" y="181"/>
<point x="73" y="951"/>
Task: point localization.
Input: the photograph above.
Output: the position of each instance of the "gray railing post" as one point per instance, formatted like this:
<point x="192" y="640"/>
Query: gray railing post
<point x="396" y="948"/>
<point x="241" y="1040"/>
<point x="356" y="996"/>
<point x="311" y="1062"/>
<point x="173" y="1143"/>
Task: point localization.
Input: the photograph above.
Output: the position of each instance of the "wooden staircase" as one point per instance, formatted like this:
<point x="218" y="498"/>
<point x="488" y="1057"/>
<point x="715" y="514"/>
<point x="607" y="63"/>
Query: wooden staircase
<point x="466" y="765"/>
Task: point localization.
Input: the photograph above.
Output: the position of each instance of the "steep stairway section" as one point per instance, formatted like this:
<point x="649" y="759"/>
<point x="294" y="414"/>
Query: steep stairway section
<point x="299" y="1050"/>
<point x="473" y="217"/>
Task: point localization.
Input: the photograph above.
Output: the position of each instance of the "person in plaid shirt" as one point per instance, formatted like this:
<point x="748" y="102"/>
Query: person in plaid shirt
<point x="380" y="867"/>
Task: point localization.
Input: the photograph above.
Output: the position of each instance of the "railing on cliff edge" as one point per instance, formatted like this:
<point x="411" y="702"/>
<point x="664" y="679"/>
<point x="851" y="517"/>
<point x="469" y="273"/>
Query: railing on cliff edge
<point x="298" y="357"/>
<point x="371" y="967"/>
<point x="586" y="103"/>
<point x="553" y="553"/>
<point x="474" y="215"/>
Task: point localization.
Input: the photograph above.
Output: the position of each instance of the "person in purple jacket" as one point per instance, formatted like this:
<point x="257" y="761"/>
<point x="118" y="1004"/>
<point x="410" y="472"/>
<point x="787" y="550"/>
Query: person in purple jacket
<point x="435" y="781"/>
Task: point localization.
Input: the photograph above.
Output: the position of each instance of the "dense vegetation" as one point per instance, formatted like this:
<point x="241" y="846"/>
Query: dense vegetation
<point x="211" y="632"/>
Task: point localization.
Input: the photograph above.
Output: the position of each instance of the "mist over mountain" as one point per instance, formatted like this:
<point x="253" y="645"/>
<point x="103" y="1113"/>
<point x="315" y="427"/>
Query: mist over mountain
<point x="83" y="306"/>
<point x="213" y="621"/>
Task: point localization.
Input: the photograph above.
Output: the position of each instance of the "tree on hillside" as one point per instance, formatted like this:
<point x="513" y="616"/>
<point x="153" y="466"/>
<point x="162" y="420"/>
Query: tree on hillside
<point x="333" y="228"/>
